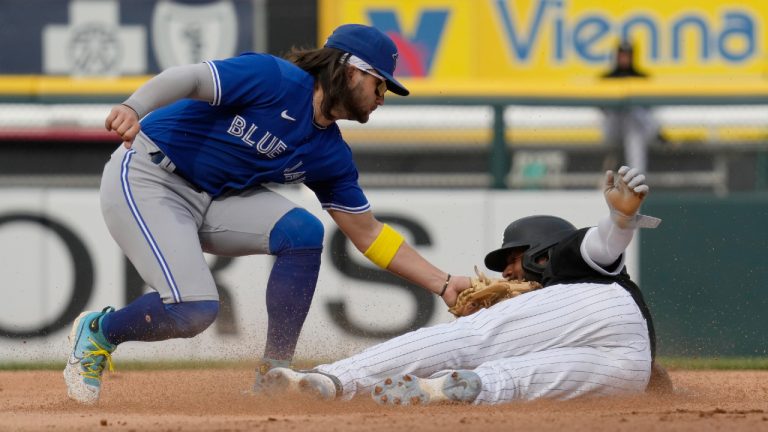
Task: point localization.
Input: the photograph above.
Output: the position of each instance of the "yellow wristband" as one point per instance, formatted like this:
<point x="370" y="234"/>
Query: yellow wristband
<point x="383" y="249"/>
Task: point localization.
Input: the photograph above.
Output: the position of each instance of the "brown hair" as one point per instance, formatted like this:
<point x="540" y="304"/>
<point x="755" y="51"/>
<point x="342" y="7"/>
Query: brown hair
<point x="324" y="64"/>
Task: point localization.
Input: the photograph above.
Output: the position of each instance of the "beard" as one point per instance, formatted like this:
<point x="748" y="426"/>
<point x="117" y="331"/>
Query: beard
<point x="353" y="104"/>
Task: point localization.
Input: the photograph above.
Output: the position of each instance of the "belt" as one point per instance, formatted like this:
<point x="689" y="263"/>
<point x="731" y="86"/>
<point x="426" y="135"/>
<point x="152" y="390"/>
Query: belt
<point x="160" y="159"/>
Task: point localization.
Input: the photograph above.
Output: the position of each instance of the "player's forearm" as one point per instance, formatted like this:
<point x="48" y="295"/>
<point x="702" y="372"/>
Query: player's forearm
<point x="411" y="266"/>
<point x="387" y="248"/>
<point x="608" y="242"/>
<point x="179" y="82"/>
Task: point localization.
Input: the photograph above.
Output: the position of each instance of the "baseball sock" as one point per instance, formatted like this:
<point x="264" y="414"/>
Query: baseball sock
<point x="297" y="242"/>
<point x="289" y="294"/>
<point x="148" y="319"/>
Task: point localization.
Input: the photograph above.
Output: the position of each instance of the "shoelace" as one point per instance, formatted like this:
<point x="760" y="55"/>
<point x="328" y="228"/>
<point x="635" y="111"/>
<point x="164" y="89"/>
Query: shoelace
<point x="94" y="368"/>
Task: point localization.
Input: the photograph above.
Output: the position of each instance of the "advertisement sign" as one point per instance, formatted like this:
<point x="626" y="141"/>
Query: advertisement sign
<point x="563" y="40"/>
<point x="59" y="259"/>
<point x="113" y="38"/>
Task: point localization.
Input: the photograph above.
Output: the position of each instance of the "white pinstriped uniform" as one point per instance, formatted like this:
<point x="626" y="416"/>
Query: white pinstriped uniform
<point x="562" y="341"/>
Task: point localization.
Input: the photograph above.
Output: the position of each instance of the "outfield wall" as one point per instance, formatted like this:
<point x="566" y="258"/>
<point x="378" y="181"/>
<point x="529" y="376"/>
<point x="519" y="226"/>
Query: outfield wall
<point x="58" y="259"/>
<point x="702" y="272"/>
<point x="705" y="276"/>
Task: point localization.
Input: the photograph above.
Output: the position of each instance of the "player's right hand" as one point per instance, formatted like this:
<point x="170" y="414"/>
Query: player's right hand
<point x="456" y="285"/>
<point x="124" y="121"/>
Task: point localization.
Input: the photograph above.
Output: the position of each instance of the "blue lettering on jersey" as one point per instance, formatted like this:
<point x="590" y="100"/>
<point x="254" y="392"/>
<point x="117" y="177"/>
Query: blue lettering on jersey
<point x="268" y="145"/>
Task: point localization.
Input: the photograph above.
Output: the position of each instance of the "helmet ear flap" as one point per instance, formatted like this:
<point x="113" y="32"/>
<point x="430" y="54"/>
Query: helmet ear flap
<point x="532" y="268"/>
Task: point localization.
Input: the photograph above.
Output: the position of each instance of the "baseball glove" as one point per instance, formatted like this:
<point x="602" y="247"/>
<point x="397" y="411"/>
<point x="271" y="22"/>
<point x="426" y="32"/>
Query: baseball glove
<point x="485" y="292"/>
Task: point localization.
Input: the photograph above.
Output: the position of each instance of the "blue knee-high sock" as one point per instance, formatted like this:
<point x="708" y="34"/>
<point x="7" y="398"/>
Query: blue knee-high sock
<point x="148" y="319"/>
<point x="297" y="241"/>
<point x="289" y="294"/>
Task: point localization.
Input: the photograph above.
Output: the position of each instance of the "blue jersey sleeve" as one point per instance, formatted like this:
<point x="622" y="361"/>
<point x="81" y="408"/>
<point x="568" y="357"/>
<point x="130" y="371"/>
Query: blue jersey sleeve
<point x="249" y="79"/>
<point x="344" y="195"/>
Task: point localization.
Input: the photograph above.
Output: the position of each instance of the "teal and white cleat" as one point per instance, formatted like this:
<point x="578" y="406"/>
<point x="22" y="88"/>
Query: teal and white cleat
<point x="459" y="386"/>
<point x="89" y="354"/>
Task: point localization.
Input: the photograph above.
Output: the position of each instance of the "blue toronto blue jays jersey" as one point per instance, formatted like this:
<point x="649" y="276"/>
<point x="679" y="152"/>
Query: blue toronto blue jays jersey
<point x="258" y="129"/>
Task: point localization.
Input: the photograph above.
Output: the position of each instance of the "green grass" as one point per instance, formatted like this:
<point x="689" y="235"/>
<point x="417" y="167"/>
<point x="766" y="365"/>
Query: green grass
<point x="715" y="363"/>
<point x="673" y="363"/>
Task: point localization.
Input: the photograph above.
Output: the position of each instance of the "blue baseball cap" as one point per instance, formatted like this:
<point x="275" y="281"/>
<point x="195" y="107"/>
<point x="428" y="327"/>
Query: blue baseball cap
<point x="373" y="47"/>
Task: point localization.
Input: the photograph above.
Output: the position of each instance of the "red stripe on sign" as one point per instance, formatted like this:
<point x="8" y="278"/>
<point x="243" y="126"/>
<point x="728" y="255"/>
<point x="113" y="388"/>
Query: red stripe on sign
<point x="57" y="134"/>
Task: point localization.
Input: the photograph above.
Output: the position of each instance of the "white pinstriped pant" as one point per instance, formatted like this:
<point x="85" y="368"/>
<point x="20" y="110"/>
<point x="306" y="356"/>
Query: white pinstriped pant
<point x="559" y="342"/>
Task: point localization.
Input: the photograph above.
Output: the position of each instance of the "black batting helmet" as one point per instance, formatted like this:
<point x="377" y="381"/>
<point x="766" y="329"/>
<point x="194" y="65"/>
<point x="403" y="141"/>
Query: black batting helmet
<point x="538" y="234"/>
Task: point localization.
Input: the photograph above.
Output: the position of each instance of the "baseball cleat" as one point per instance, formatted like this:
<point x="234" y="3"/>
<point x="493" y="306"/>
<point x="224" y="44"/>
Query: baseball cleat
<point x="89" y="354"/>
<point x="320" y="386"/>
<point x="458" y="386"/>
<point x="264" y="366"/>
<point x="283" y="380"/>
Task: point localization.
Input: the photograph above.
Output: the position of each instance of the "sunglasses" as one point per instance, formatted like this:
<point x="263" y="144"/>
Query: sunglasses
<point x="381" y="88"/>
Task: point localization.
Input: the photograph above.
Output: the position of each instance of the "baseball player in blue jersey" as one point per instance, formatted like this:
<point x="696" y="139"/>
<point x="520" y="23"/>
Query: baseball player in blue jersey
<point x="200" y="141"/>
<point x="588" y="331"/>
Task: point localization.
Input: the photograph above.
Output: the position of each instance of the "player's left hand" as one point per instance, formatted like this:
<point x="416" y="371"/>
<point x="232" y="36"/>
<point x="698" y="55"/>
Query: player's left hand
<point x="625" y="191"/>
<point x="456" y="285"/>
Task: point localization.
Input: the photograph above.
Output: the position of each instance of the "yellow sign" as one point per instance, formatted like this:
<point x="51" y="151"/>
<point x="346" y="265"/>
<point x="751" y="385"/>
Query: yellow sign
<point x="564" y="40"/>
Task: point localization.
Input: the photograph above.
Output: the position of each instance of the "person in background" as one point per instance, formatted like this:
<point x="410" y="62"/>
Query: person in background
<point x="633" y="127"/>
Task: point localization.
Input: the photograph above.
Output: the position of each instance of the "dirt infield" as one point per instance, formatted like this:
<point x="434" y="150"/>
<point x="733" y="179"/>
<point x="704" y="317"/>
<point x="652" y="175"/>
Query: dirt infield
<point x="211" y="400"/>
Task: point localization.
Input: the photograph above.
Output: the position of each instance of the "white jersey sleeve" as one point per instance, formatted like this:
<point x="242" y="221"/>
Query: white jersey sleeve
<point x="605" y="243"/>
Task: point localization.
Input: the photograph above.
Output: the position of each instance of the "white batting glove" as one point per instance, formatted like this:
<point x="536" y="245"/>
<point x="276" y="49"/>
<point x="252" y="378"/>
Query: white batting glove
<point x="634" y="179"/>
<point x="624" y="193"/>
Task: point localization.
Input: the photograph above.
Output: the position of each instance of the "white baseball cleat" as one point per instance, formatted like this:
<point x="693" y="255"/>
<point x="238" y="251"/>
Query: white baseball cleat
<point x="264" y="366"/>
<point x="285" y="380"/>
<point x="458" y="386"/>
